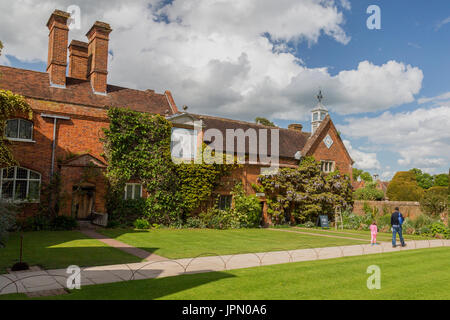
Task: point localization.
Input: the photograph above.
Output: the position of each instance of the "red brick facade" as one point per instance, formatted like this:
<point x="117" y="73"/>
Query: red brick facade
<point x="83" y="100"/>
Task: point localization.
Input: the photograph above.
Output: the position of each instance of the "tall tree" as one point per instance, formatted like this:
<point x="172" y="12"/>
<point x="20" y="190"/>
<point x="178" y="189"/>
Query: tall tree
<point x="364" y="175"/>
<point x="424" y="180"/>
<point x="441" y="180"/>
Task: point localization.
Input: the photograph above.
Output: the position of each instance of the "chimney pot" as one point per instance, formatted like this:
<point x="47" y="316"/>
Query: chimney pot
<point x="57" y="47"/>
<point x="296" y="127"/>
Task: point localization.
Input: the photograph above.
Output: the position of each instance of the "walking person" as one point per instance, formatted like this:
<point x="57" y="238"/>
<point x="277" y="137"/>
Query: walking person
<point x="396" y="223"/>
<point x="373" y="232"/>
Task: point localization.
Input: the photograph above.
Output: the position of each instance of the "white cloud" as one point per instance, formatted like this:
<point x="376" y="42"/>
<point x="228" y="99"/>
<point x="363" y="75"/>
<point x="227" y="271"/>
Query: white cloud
<point x="441" y="23"/>
<point x="363" y="160"/>
<point x="445" y="97"/>
<point x="420" y="137"/>
<point x="214" y="56"/>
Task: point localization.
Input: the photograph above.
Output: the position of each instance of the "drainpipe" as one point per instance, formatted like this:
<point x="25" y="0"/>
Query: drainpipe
<point x="55" y="121"/>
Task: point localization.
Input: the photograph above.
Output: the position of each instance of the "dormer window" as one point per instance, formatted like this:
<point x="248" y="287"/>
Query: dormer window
<point x="316" y="116"/>
<point x="322" y="116"/>
<point x="19" y="130"/>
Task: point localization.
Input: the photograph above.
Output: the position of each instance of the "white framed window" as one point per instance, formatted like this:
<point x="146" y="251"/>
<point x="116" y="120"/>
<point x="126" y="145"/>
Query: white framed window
<point x="133" y="191"/>
<point x="20" y="184"/>
<point x="183" y="144"/>
<point x="327" y="166"/>
<point x="19" y="130"/>
<point x="316" y="116"/>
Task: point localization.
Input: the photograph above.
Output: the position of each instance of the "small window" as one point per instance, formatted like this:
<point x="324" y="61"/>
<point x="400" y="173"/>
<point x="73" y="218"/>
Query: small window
<point x="225" y="202"/>
<point x="133" y="191"/>
<point x="322" y="116"/>
<point x="19" y="184"/>
<point x="19" y="129"/>
<point x="327" y="166"/>
<point x="315" y="116"/>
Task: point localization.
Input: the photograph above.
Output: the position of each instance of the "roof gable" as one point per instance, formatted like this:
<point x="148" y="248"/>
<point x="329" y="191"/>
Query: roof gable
<point x="84" y="160"/>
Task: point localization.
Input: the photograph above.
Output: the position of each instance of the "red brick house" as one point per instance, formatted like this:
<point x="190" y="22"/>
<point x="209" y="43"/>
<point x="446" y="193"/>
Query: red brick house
<point x="70" y="110"/>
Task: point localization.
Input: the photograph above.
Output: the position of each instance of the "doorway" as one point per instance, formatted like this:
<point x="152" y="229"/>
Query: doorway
<point x="83" y="199"/>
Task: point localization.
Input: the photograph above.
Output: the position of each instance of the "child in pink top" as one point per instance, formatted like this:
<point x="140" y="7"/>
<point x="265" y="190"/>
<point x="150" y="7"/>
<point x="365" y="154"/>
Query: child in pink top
<point x="373" y="233"/>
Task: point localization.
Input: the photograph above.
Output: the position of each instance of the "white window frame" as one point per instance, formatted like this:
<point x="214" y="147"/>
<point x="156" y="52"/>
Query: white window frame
<point x="14" y="179"/>
<point x="133" y="190"/>
<point x="18" y="130"/>
<point x="327" y="166"/>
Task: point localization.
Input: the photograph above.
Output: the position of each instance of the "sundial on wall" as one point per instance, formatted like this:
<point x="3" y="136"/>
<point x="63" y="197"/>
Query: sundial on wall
<point x="328" y="141"/>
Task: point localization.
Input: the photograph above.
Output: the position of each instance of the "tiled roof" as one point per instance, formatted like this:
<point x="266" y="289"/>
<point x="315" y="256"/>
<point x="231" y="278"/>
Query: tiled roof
<point x="290" y="141"/>
<point x="33" y="84"/>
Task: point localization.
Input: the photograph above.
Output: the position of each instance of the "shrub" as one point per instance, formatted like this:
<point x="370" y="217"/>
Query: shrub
<point x="439" y="228"/>
<point x="435" y="200"/>
<point x="384" y="220"/>
<point x="141" y="224"/>
<point x="126" y="212"/>
<point x="7" y="220"/>
<point x="194" y="222"/>
<point x="215" y="218"/>
<point x="62" y="223"/>
<point x="369" y="192"/>
<point x="247" y="208"/>
<point x="37" y="222"/>
<point x="309" y="224"/>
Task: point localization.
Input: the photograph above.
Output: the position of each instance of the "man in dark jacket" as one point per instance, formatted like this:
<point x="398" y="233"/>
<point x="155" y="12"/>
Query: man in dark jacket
<point x="396" y="223"/>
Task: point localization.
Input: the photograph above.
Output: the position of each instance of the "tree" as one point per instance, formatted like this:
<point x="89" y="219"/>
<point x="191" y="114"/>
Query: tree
<point x="369" y="192"/>
<point x="365" y="176"/>
<point x="424" y="180"/>
<point x="264" y="121"/>
<point x="441" y="180"/>
<point x="435" y="200"/>
<point x="305" y="192"/>
<point x="404" y="187"/>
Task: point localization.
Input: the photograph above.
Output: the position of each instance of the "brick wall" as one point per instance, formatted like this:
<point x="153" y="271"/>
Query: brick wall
<point x="407" y="208"/>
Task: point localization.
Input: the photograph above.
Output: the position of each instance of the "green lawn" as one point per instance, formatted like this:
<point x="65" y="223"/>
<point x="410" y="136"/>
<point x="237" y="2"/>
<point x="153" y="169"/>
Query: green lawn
<point x="358" y="234"/>
<point x="412" y="274"/>
<point x="59" y="249"/>
<point x="186" y="243"/>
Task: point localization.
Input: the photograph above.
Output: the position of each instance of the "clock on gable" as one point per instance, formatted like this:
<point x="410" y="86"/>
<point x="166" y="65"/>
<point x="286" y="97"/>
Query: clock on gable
<point x="328" y="141"/>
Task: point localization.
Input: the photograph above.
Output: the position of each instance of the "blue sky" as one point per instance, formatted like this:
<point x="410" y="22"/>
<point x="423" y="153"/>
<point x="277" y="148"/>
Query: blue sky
<point x="269" y="59"/>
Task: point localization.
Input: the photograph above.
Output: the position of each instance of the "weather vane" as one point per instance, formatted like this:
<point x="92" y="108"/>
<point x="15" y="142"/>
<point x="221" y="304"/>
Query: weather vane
<point x="320" y="96"/>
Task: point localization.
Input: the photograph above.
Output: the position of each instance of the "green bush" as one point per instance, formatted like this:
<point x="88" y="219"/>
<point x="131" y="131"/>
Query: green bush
<point x="194" y="222"/>
<point x="435" y="200"/>
<point x="247" y="208"/>
<point x="127" y="211"/>
<point x="141" y="224"/>
<point x="384" y="220"/>
<point x="215" y="218"/>
<point x="439" y="228"/>
<point x="309" y="224"/>
<point x="369" y="192"/>
<point x="63" y="223"/>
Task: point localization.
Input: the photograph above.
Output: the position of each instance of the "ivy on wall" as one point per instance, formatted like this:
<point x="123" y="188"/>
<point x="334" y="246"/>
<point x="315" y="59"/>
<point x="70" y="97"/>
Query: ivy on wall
<point x="304" y="192"/>
<point x="11" y="105"/>
<point x="137" y="146"/>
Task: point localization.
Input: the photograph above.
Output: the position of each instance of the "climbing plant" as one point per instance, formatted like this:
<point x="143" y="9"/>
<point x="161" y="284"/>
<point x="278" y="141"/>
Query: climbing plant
<point x="11" y="105"/>
<point x="305" y="192"/>
<point x="137" y="146"/>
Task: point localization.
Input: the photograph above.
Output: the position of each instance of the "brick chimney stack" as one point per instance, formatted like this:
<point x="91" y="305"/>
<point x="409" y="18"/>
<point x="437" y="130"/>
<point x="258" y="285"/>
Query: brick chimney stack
<point x="57" y="47"/>
<point x="98" y="37"/>
<point x="78" y="60"/>
<point x="296" y="127"/>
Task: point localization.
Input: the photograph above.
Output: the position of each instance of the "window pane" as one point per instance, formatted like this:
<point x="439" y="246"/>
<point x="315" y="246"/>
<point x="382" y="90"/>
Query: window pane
<point x="315" y="116"/>
<point x="21" y="190"/>
<point x="11" y="128"/>
<point x="21" y="173"/>
<point x="34" y="175"/>
<point x="25" y="129"/>
<point x="137" y="191"/>
<point x="8" y="173"/>
<point x="129" y="191"/>
<point x="33" y="192"/>
<point x="7" y="190"/>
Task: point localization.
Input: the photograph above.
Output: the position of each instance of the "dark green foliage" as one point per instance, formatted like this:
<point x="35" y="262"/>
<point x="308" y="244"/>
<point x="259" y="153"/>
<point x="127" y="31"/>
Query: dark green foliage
<point x="247" y="208"/>
<point x="441" y="180"/>
<point x="404" y="187"/>
<point x="435" y="200"/>
<point x="369" y="192"/>
<point x="126" y="211"/>
<point x="8" y="214"/>
<point x="424" y="180"/>
<point x="63" y="223"/>
<point x="141" y="224"/>
<point x="10" y="105"/>
<point x="304" y="192"/>
<point x="264" y="121"/>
